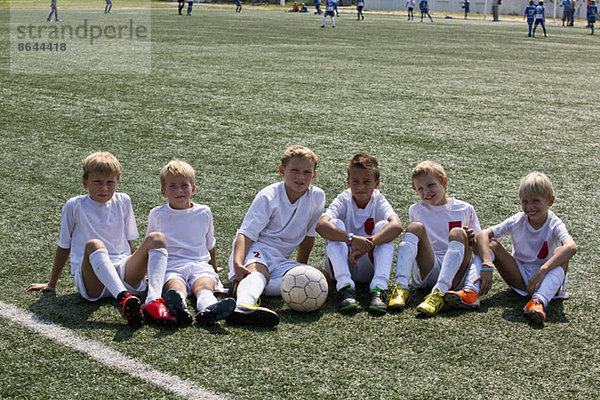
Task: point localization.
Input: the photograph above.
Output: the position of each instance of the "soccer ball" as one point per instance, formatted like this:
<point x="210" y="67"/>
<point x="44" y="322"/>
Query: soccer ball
<point x="304" y="288"/>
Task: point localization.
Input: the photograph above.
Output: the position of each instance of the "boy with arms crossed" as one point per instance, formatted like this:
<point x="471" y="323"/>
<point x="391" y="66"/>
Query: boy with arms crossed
<point x="282" y="216"/>
<point x="97" y="229"/>
<point x="191" y="266"/>
<point x="541" y="250"/>
<point x="360" y="227"/>
<point x="437" y="243"/>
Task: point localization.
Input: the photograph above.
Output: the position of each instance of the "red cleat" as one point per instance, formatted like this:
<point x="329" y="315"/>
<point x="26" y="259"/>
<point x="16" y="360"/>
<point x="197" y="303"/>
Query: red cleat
<point x="132" y="310"/>
<point x="156" y="312"/>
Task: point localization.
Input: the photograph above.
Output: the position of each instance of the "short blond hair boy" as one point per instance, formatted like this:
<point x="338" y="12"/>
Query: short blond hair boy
<point x="542" y="248"/>
<point x="100" y="254"/>
<point x="102" y="162"/>
<point x="177" y="167"/>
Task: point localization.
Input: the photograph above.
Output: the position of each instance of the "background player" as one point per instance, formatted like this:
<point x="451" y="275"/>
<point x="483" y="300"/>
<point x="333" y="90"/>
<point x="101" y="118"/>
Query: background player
<point x="540" y="18"/>
<point x="330" y="6"/>
<point x="359" y="9"/>
<point x="424" y="7"/>
<point x="530" y="15"/>
<point x="592" y="15"/>
<point x="108" y="6"/>
<point x="411" y="7"/>
<point x="53" y="10"/>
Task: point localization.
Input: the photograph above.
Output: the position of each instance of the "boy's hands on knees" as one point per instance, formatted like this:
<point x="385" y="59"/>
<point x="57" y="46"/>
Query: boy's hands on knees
<point x="470" y="235"/>
<point x="362" y="244"/>
<point x="240" y="272"/>
<point x="39" y="287"/>
<point x="486" y="278"/>
<point x="354" y="256"/>
<point x="536" y="280"/>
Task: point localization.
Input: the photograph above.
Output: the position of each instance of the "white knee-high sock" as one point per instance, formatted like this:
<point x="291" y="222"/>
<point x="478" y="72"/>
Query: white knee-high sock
<point x="106" y="272"/>
<point x="473" y="273"/>
<point x="337" y="253"/>
<point x="332" y="21"/>
<point x="550" y="285"/>
<point x="157" y="268"/>
<point x="450" y="265"/>
<point x="324" y="19"/>
<point x="205" y="298"/>
<point x="383" y="256"/>
<point x="250" y="288"/>
<point x="407" y="252"/>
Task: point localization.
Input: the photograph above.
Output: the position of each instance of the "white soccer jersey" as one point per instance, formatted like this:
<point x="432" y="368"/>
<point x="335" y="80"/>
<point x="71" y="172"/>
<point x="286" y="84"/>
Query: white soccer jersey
<point x="439" y="220"/>
<point x="189" y="232"/>
<point x="275" y="222"/>
<point x="84" y="219"/>
<point x="360" y="221"/>
<point x="529" y="245"/>
<point x="410" y="3"/>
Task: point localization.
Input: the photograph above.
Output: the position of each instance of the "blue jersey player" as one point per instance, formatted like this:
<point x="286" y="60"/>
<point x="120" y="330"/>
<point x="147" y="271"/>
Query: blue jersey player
<point x="53" y="10"/>
<point x="540" y="18"/>
<point x="424" y="6"/>
<point x="190" y="5"/>
<point x="467" y="6"/>
<point x="108" y="6"/>
<point x="360" y="5"/>
<point x="530" y="15"/>
<point x="592" y="15"/>
<point x="238" y="6"/>
<point x="330" y="6"/>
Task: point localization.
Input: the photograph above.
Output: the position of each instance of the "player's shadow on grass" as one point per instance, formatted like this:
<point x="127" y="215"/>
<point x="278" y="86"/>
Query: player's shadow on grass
<point x="73" y="312"/>
<point x="513" y="304"/>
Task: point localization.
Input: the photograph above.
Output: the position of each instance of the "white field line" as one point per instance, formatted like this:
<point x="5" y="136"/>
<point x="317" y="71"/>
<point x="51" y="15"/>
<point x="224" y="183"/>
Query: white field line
<point x="106" y="355"/>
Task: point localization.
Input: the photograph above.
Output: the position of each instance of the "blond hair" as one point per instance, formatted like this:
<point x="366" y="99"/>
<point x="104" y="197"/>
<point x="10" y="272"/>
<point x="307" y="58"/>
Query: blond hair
<point x="365" y="162"/>
<point x="177" y="168"/>
<point x="428" y="167"/>
<point x="298" y="151"/>
<point x="102" y="162"/>
<point x="536" y="184"/>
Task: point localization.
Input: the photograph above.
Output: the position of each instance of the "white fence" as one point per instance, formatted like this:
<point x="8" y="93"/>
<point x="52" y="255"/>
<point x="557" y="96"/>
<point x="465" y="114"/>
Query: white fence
<point x="511" y="7"/>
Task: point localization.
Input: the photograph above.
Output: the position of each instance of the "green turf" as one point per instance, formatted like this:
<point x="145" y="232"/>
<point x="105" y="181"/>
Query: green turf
<point x="228" y="93"/>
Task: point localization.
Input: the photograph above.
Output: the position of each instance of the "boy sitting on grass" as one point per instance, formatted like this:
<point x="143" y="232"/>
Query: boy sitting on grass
<point x="360" y="227"/>
<point x="97" y="229"/>
<point x="282" y="216"/>
<point x="191" y="266"/>
<point x="541" y="250"/>
<point x="437" y="243"/>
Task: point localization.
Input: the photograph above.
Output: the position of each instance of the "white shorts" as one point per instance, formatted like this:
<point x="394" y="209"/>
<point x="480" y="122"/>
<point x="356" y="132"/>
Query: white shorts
<point x="432" y="277"/>
<point x="119" y="265"/>
<point x="189" y="273"/>
<point x="276" y="264"/>
<point x="527" y="272"/>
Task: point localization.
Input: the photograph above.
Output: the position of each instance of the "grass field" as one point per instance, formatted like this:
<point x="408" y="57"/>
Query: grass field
<point x="228" y="93"/>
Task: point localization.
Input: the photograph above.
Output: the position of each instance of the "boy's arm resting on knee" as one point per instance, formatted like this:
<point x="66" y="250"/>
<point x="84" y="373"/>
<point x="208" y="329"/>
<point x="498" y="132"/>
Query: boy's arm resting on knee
<point x="389" y="232"/>
<point x="560" y="258"/>
<point x="240" y="249"/>
<point x="304" y="249"/>
<point x="331" y="232"/>
<point x="213" y="259"/>
<point x="482" y="245"/>
<point x="60" y="259"/>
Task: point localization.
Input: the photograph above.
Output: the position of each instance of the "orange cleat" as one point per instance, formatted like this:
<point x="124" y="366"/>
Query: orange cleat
<point x="464" y="298"/>
<point x="534" y="309"/>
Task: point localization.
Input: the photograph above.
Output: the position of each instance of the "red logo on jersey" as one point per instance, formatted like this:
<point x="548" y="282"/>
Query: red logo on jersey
<point x="454" y="224"/>
<point x="543" y="251"/>
<point x="256" y="254"/>
<point x="369" y="226"/>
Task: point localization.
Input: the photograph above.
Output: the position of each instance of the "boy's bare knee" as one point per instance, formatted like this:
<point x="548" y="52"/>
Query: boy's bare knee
<point x="93" y="245"/>
<point x="156" y="240"/>
<point x="458" y="235"/>
<point x="416" y="228"/>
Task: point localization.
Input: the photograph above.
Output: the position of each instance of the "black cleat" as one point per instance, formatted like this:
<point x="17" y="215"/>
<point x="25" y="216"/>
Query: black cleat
<point x="347" y="299"/>
<point x="177" y="307"/>
<point x="379" y="301"/>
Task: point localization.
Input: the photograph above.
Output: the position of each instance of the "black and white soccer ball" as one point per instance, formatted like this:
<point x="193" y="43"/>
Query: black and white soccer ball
<point x="304" y="288"/>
